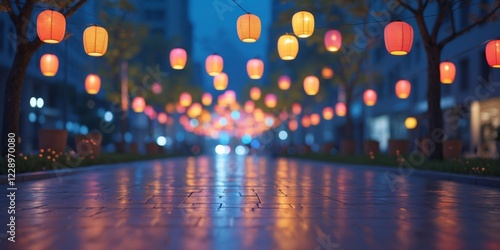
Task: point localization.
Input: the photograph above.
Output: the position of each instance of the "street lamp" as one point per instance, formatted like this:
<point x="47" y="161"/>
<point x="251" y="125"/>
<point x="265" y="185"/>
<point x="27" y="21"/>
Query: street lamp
<point x="37" y="104"/>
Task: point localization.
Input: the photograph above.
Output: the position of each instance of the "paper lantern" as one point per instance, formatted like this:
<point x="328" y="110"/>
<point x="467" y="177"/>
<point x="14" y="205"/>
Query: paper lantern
<point x="185" y="99"/>
<point x="493" y="53"/>
<point x="179" y="108"/>
<point x="288" y="47"/>
<point x="150" y="112"/>
<point x="178" y="58"/>
<point x="328" y="113"/>
<point x="230" y="96"/>
<point x="162" y="118"/>
<point x="92" y="84"/>
<point x="403" y="89"/>
<point x="220" y="81"/>
<point x="448" y="71"/>
<point x="303" y="24"/>
<point x="194" y="110"/>
<point x="296" y="108"/>
<point x="95" y="40"/>
<point x="370" y="97"/>
<point x="206" y="99"/>
<point x="333" y="40"/>
<point x="293" y="125"/>
<point x="327" y="73"/>
<point x="156" y="88"/>
<point x="51" y="26"/>
<point x="138" y="104"/>
<point x="249" y="106"/>
<point x="398" y="38"/>
<point x="284" y="82"/>
<point x="214" y="65"/>
<point x="315" y="119"/>
<point x="311" y="85"/>
<point x="255" y="93"/>
<point x="49" y="64"/>
<point x="306" y="121"/>
<point x="248" y="27"/>
<point x="271" y="101"/>
<point x="411" y="123"/>
<point x="255" y="68"/>
<point x="340" y="109"/>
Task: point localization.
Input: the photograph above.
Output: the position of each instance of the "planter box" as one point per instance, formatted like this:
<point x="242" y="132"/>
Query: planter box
<point x="371" y="147"/>
<point x="133" y="148"/>
<point x="452" y="149"/>
<point x="327" y="148"/>
<point x="53" y="139"/>
<point x="88" y="144"/>
<point x="348" y="147"/>
<point x="120" y="147"/>
<point x="398" y="147"/>
<point x="152" y="148"/>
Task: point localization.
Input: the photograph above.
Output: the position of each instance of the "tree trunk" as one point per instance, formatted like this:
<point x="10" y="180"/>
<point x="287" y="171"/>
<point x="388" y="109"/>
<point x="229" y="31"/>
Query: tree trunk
<point x="13" y="91"/>
<point x="349" y="123"/>
<point x="434" y="112"/>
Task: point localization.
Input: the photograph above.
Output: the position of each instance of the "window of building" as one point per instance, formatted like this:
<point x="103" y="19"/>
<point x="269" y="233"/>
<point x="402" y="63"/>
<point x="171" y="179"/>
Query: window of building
<point x="464" y="13"/>
<point x="485" y="68"/>
<point x="154" y="15"/>
<point x="464" y="74"/>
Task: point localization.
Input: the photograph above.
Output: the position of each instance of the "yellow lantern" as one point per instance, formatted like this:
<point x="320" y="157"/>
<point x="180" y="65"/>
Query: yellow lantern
<point x="284" y="82"/>
<point x="315" y="119"/>
<point x="220" y="81"/>
<point x="49" y="64"/>
<point x="248" y="27"/>
<point x="92" y="84"/>
<point x="138" y="104"/>
<point x="333" y="40"/>
<point x="255" y="93"/>
<point x="271" y="100"/>
<point x="303" y="24"/>
<point x="288" y="47"/>
<point x="214" y="65"/>
<point x="340" y="109"/>
<point x="178" y="58"/>
<point x="50" y="26"/>
<point x="370" y="97"/>
<point x="95" y="41"/>
<point x="255" y="68"/>
<point x="328" y="113"/>
<point x="206" y="99"/>
<point x="311" y="85"/>
<point x="327" y="73"/>
<point x="411" y="123"/>
<point x="448" y="72"/>
<point x="185" y="99"/>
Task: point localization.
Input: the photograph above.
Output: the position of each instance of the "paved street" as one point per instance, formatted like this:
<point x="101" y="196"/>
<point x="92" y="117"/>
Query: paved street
<point x="251" y="203"/>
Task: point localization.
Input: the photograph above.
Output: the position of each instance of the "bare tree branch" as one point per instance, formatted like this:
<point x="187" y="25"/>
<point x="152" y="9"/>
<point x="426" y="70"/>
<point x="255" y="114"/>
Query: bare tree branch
<point x="10" y="10"/>
<point x="407" y="6"/>
<point x="73" y="9"/>
<point x="452" y="17"/>
<point x="440" y="19"/>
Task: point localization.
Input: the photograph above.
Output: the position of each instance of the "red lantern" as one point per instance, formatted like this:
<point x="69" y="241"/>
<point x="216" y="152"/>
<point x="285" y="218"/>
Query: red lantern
<point x="333" y="40"/>
<point x="49" y="64"/>
<point x="51" y="26"/>
<point x="448" y="72"/>
<point x="92" y="84"/>
<point x="493" y="53"/>
<point x="403" y="89"/>
<point x="327" y="73"/>
<point x="370" y="97"/>
<point x="293" y="125"/>
<point x="398" y="38"/>
<point x="306" y="121"/>
<point x="178" y="58"/>
<point x="315" y="119"/>
<point x="340" y="109"/>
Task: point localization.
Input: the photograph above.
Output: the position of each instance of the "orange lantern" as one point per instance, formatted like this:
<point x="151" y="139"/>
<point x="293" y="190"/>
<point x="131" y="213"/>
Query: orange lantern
<point x="333" y="40"/>
<point x="315" y="119"/>
<point x="220" y="81"/>
<point x="311" y="85"/>
<point x="248" y="27"/>
<point x="370" y="97"/>
<point x="284" y="82"/>
<point x="185" y="99"/>
<point x="493" y="53"/>
<point x="249" y="106"/>
<point x="288" y="47"/>
<point x="255" y="68"/>
<point x="398" y="37"/>
<point x="178" y="58"/>
<point x="92" y="84"/>
<point x="448" y="72"/>
<point x="328" y="113"/>
<point x="162" y="118"/>
<point x="303" y="24"/>
<point x="293" y="125"/>
<point x="51" y="26"/>
<point x="170" y="108"/>
<point x="230" y="96"/>
<point x="194" y="110"/>
<point x="214" y="65"/>
<point x="49" y="64"/>
<point x="206" y="99"/>
<point x="296" y="108"/>
<point x="340" y="109"/>
<point x="138" y="104"/>
<point x="327" y="73"/>
<point x="271" y="101"/>
<point x="255" y="93"/>
<point x="403" y="89"/>
<point x="95" y="41"/>
<point x="306" y="121"/>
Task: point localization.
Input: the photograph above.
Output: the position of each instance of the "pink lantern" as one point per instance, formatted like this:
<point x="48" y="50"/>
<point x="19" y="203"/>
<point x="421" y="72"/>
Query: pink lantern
<point x="284" y="82"/>
<point x="340" y="109"/>
<point x="271" y="100"/>
<point x="156" y="88"/>
<point x="138" y="104"/>
<point x="296" y="108"/>
<point x="370" y="97"/>
<point x="162" y="118"/>
<point x="333" y="40"/>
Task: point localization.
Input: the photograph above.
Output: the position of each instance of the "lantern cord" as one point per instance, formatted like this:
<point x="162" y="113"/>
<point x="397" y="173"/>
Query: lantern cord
<point x="234" y="1"/>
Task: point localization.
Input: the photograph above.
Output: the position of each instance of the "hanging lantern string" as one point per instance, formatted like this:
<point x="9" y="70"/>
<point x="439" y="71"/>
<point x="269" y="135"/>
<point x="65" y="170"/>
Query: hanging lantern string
<point x="234" y="1"/>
